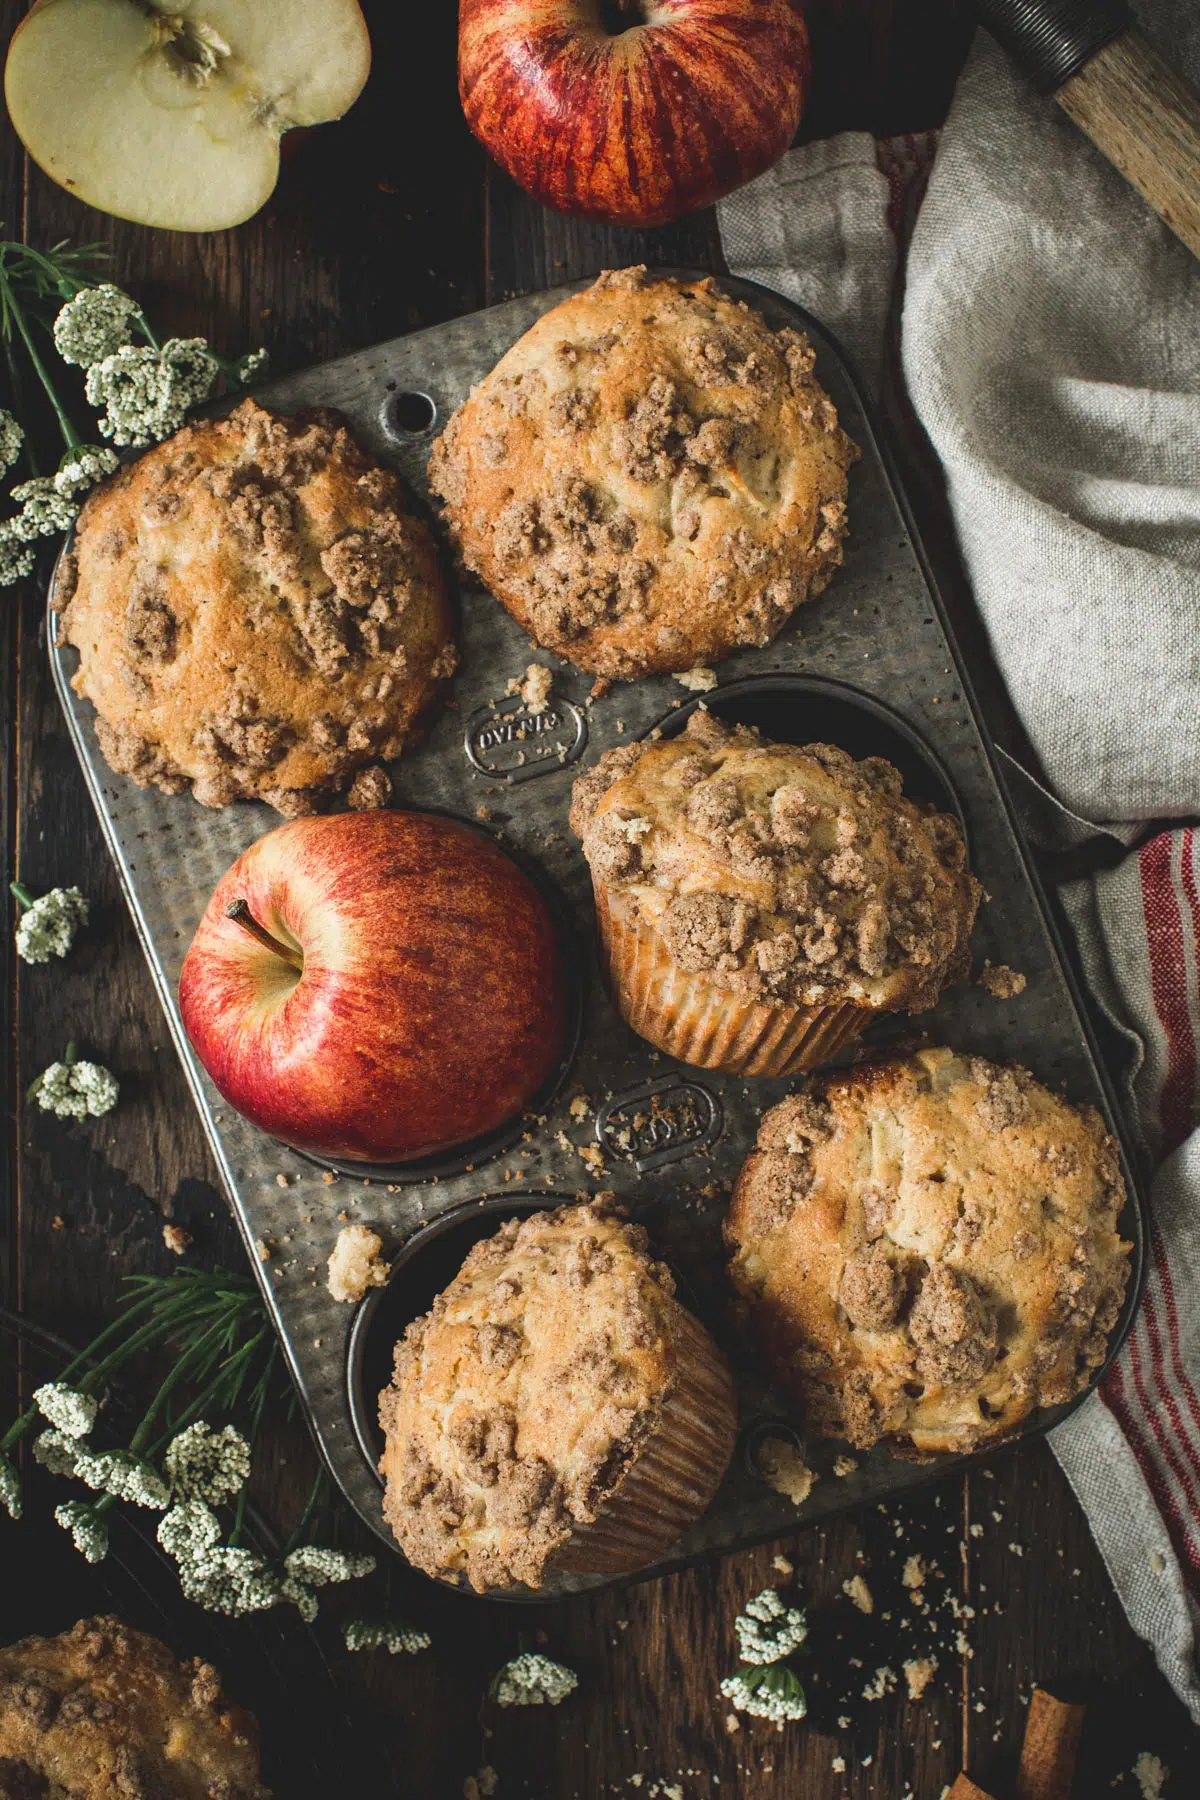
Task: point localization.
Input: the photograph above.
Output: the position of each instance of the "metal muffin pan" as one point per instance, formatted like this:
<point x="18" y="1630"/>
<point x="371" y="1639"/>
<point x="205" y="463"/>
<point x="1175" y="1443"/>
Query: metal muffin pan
<point x="871" y="657"/>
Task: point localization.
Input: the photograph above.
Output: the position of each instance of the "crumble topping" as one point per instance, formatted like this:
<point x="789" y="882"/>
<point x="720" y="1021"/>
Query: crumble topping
<point x="512" y="1418"/>
<point x="782" y="873"/>
<point x="916" y="1274"/>
<point x="256" y="613"/>
<point x="648" y="444"/>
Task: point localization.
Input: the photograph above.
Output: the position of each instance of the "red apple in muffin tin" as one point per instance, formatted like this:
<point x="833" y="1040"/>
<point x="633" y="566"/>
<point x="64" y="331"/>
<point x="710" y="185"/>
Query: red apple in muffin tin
<point x="632" y="111"/>
<point x="375" y="986"/>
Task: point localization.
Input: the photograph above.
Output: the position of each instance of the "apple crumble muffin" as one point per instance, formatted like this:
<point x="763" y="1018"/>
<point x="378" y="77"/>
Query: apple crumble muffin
<point x="556" y="1409"/>
<point x="256" y="613"/>
<point x="759" y="901"/>
<point x="104" y="1711"/>
<point x="927" y="1249"/>
<point x="650" y="478"/>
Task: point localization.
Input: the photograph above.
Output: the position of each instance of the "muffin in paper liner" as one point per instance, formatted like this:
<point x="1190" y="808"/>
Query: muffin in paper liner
<point x="703" y="1024"/>
<point x="556" y="1409"/>
<point x="676" y="1472"/>
<point x="759" y="902"/>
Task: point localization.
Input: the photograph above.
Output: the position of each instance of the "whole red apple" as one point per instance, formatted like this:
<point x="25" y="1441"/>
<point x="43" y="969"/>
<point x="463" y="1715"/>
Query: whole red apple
<point x="633" y="111"/>
<point x="375" y="986"/>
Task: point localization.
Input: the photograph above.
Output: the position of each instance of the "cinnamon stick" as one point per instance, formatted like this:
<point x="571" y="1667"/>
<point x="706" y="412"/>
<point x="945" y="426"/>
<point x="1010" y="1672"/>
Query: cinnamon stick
<point x="1050" y="1748"/>
<point x="965" y="1789"/>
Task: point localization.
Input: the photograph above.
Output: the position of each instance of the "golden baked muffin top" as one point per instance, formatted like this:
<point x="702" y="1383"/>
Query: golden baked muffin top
<point x="255" y="612"/>
<point x="782" y="872"/>
<point x="104" y="1711"/>
<point x="650" y="478"/>
<point x="520" y="1400"/>
<point x="927" y="1249"/>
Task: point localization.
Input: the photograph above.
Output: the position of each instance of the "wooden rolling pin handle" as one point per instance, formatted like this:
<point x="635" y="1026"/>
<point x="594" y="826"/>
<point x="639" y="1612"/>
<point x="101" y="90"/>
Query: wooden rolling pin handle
<point x="1146" y="119"/>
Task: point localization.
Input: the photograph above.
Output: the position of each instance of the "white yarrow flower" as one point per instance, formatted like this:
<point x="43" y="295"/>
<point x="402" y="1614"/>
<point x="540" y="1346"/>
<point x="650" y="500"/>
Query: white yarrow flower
<point x="44" y="510"/>
<point x="48" y="927"/>
<point x="94" y="324"/>
<point x="251" y="366"/>
<point x="83" y="467"/>
<point x="88" y="1529"/>
<point x="393" y="1635"/>
<point x="77" y="1090"/>
<point x="317" y="1567"/>
<point x="533" y="1680"/>
<point x="17" y="560"/>
<point x="59" y="1453"/>
<point x="127" y="1477"/>
<point x="768" y="1629"/>
<point x="189" y="1530"/>
<point x="766" y="1693"/>
<point x="203" y="1464"/>
<point x="11" y="438"/>
<point x="10" y="1488"/>
<point x="228" y="1580"/>
<point x="69" y="1411"/>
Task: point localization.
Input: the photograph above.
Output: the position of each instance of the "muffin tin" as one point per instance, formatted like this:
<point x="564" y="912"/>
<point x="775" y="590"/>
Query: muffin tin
<point x="869" y="665"/>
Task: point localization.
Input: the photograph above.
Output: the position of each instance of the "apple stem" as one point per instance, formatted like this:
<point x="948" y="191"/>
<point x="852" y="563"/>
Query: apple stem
<point x="240" y="912"/>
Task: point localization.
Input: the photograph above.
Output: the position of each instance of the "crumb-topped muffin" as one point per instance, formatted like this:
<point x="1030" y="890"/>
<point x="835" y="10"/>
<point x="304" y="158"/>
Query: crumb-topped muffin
<point x="105" y="1711"/>
<point x="650" y="478"/>
<point x="557" y="1409"/>
<point x="759" y="901"/>
<point x="927" y="1249"/>
<point x="256" y="613"/>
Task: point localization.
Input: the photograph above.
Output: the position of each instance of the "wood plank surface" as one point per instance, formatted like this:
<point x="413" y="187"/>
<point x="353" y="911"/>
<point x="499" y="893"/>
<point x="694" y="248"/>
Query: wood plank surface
<point x="390" y="220"/>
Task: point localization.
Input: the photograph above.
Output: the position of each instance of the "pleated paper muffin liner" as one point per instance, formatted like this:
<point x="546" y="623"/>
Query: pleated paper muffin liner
<point x="674" y="1475"/>
<point x="699" y="1022"/>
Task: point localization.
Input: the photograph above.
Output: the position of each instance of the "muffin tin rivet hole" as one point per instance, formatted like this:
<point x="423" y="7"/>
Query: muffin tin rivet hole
<point x="409" y="414"/>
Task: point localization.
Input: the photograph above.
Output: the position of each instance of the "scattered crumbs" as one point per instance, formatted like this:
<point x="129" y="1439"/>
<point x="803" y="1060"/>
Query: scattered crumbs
<point x="534" y="687"/>
<point x="1151" y="1774"/>
<point x="482" y="1785"/>
<point x="976" y="1529"/>
<point x="1001" y="981"/>
<point x="843" y="1721"/>
<point x="329" y="1177"/>
<point x="1017" y="1549"/>
<point x="844" y="1465"/>
<point x="262" y="1249"/>
<point x="783" y="1566"/>
<point x="699" y="680"/>
<point x="175" y="1238"/>
<point x="483" y="814"/>
<point x="732" y="1723"/>
<point x="58" y="1223"/>
<point x="593" y="1156"/>
<point x="282" y="1180"/>
<point x="343" y="1216"/>
<point x="784" y="1469"/>
<point x="579" y="1107"/>
<point x="857" y="1590"/>
<point x="838" y="1765"/>
<point x="914" y="1573"/>
<point x="1158" y="1561"/>
<point x="882" y="1682"/>
<point x="355" y="1263"/>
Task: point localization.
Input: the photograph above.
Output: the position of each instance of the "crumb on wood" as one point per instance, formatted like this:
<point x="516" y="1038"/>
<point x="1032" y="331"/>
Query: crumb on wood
<point x="698" y="680"/>
<point x="355" y="1263"/>
<point x="1001" y="981"/>
<point x="1150" y="1773"/>
<point x="844" y="1465"/>
<point x="176" y="1238"/>
<point x="918" y="1673"/>
<point x="856" y="1589"/>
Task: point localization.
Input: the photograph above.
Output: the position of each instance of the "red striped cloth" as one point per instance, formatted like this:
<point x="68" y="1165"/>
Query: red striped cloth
<point x="1132" y="1453"/>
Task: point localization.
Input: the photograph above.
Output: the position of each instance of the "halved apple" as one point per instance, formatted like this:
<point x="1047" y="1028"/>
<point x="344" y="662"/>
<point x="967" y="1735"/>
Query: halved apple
<point x="172" y="115"/>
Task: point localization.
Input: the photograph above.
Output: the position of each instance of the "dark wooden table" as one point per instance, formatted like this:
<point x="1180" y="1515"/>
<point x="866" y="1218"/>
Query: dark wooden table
<point x="388" y="221"/>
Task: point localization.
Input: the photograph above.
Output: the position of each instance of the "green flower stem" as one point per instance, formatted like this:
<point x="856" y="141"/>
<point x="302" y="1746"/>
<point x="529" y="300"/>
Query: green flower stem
<point x="71" y="437"/>
<point x="21" y="895"/>
<point x="22" y="1425"/>
<point x="315" y="1494"/>
<point x="239" y="1513"/>
<point x="191" y="1356"/>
